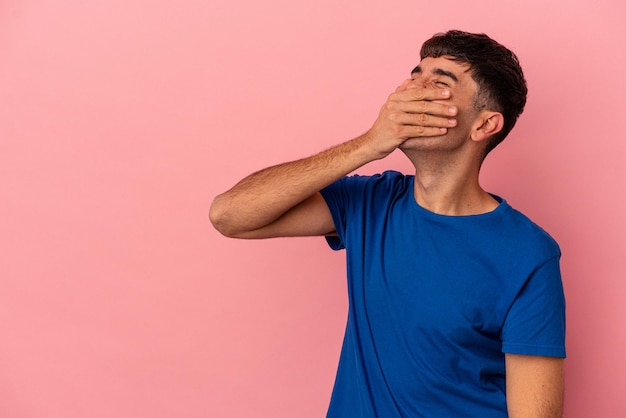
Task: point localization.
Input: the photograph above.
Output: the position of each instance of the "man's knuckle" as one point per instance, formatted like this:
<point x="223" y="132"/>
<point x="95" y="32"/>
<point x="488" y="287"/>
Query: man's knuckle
<point x="391" y="105"/>
<point x="419" y="94"/>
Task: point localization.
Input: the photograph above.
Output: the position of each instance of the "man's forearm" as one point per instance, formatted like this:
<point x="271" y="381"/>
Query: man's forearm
<point x="262" y="197"/>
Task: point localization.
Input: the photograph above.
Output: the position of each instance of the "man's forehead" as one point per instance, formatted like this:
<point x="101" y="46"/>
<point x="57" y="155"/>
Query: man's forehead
<point x="445" y="62"/>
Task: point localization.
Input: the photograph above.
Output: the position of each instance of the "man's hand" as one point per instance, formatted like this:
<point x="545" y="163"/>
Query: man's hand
<point x="411" y="112"/>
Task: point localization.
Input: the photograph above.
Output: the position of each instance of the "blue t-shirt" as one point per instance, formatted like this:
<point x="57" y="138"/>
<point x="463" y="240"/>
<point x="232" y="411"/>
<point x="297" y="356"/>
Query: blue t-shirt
<point x="435" y="301"/>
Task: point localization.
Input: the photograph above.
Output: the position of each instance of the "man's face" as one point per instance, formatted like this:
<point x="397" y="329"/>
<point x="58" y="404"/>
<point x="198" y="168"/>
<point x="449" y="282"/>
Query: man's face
<point x="444" y="73"/>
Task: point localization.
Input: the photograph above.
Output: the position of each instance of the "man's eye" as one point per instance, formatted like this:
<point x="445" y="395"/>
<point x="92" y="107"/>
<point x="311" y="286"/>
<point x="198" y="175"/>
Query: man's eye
<point x="441" y="83"/>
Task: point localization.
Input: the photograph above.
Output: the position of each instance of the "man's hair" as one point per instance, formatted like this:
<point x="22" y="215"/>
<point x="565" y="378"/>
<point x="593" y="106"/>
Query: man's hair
<point x="496" y="70"/>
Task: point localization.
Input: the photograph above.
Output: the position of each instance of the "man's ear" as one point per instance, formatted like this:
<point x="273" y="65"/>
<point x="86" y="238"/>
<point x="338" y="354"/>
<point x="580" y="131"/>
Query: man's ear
<point x="486" y="125"/>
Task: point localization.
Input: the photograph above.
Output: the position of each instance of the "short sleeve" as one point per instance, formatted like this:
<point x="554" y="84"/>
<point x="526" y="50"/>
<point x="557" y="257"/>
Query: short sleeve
<point x="343" y="199"/>
<point x="334" y="197"/>
<point x="535" y="323"/>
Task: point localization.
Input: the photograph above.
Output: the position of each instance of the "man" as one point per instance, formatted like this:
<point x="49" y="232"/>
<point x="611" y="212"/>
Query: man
<point x="456" y="305"/>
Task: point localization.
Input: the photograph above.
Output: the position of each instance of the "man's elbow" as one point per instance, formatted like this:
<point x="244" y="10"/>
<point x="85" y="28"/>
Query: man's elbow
<point x="218" y="215"/>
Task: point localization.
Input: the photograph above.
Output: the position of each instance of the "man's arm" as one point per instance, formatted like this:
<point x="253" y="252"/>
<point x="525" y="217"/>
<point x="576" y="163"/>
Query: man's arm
<point x="534" y="386"/>
<point x="284" y="200"/>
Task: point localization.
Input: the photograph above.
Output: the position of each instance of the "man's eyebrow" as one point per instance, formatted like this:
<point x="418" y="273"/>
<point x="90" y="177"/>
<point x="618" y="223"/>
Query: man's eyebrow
<point x="437" y="71"/>
<point x="445" y="73"/>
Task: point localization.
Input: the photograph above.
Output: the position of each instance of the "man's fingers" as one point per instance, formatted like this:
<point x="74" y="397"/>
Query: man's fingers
<point x="421" y="93"/>
<point x="422" y="131"/>
<point x="423" y="113"/>
<point x="428" y="107"/>
<point x="422" y="119"/>
<point x="417" y="100"/>
<point x="413" y="112"/>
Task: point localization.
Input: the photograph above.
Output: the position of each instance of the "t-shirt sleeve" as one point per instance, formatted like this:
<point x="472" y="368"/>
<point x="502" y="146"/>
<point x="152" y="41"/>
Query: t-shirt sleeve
<point x="345" y="199"/>
<point x="535" y="323"/>
<point x="335" y="198"/>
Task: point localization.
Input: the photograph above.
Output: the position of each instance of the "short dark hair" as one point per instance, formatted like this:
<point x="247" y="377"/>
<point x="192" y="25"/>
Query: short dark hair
<point x="496" y="70"/>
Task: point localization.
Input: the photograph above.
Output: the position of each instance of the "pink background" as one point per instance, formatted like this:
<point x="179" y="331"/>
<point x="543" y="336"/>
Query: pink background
<point x="120" y="120"/>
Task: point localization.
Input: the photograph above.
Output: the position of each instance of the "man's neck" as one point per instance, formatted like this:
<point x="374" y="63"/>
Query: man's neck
<point x="450" y="188"/>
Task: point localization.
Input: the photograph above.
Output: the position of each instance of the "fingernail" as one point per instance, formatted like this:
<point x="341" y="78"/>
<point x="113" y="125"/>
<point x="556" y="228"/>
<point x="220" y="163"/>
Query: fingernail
<point x="445" y="93"/>
<point x="451" y="122"/>
<point x="452" y="110"/>
<point x="443" y="130"/>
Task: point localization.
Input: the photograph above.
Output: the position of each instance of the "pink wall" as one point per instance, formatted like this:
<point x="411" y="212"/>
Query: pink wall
<point x="121" y="119"/>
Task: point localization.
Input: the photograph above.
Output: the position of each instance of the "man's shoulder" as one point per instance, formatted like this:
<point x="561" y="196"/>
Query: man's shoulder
<point x="387" y="179"/>
<point x="387" y="175"/>
<point x="527" y="235"/>
<point x="379" y="189"/>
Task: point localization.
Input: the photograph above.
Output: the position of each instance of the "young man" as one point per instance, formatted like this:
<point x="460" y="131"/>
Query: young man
<point x="456" y="305"/>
